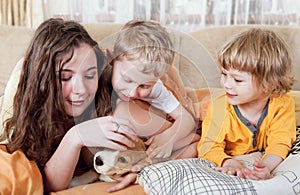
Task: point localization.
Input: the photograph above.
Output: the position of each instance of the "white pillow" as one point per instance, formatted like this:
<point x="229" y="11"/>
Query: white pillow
<point x="286" y="175"/>
<point x="286" y="179"/>
<point x="9" y="93"/>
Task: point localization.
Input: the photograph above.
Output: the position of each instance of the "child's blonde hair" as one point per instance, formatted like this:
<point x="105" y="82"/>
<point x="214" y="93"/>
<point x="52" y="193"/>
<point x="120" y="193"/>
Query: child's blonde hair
<point x="148" y="42"/>
<point x="262" y="53"/>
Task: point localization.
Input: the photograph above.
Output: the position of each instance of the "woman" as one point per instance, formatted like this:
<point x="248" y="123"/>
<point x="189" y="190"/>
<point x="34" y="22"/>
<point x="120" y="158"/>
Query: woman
<point x="62" y="103"/>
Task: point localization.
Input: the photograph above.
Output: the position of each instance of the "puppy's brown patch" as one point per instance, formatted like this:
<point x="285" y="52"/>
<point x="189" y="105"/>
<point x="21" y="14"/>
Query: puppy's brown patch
<point x="115" y="163"/>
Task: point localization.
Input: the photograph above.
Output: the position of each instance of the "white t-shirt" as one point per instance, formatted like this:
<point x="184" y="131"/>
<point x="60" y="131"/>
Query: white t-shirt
<point x="161" y="98"/>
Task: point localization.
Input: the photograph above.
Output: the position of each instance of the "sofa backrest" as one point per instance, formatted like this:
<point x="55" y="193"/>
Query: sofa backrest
<point x="193" y="62"/>
<point x="13" y="44"/>
<point x="214" y="37"/>
<point x="196" y="51"/>
<point x="15" y="40"/>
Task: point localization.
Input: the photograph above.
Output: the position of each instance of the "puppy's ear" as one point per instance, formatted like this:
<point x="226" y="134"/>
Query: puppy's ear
<point x="130" y="158"/>
<point x="125" y="160"/>
<point x="139" y="146"/>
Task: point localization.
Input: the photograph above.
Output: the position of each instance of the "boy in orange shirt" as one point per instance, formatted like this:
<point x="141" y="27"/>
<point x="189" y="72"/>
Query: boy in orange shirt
<point x="256" y="113"/>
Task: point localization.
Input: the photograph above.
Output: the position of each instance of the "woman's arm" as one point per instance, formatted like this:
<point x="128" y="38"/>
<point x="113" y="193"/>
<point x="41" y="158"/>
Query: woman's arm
<point x="99" y="132"/>
<point x="59" y="170"/>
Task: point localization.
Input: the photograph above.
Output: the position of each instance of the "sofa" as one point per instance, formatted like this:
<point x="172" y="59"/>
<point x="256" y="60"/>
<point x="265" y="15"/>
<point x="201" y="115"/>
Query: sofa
<point x="195" y="62"/>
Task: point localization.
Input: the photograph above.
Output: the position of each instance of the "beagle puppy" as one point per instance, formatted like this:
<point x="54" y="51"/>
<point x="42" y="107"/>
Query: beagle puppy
<point x="112" y="163"/>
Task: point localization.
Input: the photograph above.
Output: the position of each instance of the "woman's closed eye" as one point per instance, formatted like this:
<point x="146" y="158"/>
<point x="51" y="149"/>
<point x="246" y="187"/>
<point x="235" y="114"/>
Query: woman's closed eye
<point x="66" y="76"/>
<point x="66" y="79"/>
<point x="90" y="76"/>
<point x="91" y="73"/>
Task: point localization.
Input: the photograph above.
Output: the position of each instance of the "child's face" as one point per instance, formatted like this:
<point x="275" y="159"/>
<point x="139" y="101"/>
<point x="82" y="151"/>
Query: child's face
<point x="129" y="82"/>
<point x="240" y="87"/>
<point x="79" y="80"/>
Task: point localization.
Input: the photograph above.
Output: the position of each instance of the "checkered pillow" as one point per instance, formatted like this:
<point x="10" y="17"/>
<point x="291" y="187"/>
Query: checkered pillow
<point x="191" y="176"/>
<point x="196" y="176"/>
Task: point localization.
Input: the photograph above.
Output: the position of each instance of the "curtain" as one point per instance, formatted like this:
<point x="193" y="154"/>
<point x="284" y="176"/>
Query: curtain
<point x="27" y="13"/>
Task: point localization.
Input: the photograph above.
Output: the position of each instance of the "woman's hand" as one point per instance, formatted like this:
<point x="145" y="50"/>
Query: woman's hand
<point x="125" y="181"/>
<point x="108" y="131"/>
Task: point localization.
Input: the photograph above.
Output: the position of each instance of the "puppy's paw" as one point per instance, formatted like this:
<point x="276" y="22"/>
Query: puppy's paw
<point x="85" y="178"/>
<point x="106" y="178"/>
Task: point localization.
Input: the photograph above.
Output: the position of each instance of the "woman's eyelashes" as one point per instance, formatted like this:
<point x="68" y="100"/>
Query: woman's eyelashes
<point x="90" y="76"/>
<point x="67" y="75"/>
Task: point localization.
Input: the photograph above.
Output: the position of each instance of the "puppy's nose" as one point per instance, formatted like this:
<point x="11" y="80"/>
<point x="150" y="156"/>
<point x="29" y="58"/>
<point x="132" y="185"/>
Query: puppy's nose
<point x="98" y="161"/>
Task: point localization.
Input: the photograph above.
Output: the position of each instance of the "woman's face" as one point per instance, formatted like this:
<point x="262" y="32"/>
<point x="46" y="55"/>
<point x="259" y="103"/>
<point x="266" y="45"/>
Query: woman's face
<point x="79" y="78"/>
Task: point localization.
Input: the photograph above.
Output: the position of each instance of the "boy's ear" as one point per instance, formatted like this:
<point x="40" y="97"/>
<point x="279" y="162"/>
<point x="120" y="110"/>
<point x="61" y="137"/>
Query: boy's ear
<point x="109" y="55"/>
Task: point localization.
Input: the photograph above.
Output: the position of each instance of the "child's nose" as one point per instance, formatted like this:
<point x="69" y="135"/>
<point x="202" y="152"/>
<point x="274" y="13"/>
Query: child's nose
<point x="132" y="92"/>
<point x="227" y="83"/>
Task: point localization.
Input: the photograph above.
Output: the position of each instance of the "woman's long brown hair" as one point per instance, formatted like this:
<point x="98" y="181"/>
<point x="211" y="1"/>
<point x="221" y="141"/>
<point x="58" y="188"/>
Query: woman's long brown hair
<point x="39" y="121"/>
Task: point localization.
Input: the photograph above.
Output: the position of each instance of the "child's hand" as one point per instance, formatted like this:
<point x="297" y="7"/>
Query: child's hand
<point x="259" y="172"/>
<point x="232" y="167"/>
<point x="159" y="147"/>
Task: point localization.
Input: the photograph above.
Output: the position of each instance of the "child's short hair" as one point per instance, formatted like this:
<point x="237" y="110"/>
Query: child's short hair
<point x="148" y="42"/>
<point x="262" y="53"/>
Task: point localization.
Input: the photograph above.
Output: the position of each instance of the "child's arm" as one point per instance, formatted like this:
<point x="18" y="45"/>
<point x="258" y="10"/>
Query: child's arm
<point x="214" y="132"/>
<point x="236" y="165"/>
<point x="98" y="132"/>
<point x="262" y="169"/>
<point x="232" y="166"/>
<point x="160" y="131"/>
<point x="171" y="139"/>
<point x="281" y="135"/>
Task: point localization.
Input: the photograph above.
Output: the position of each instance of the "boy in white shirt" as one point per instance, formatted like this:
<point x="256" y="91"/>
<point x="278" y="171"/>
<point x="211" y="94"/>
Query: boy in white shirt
<point x="143" y="53"/>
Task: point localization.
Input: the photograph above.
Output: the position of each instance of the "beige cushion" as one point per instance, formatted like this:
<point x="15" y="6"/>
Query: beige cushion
<point x="14" y="41"/>
<point x="296" y="95"/>
<point x="214" y="37"/>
